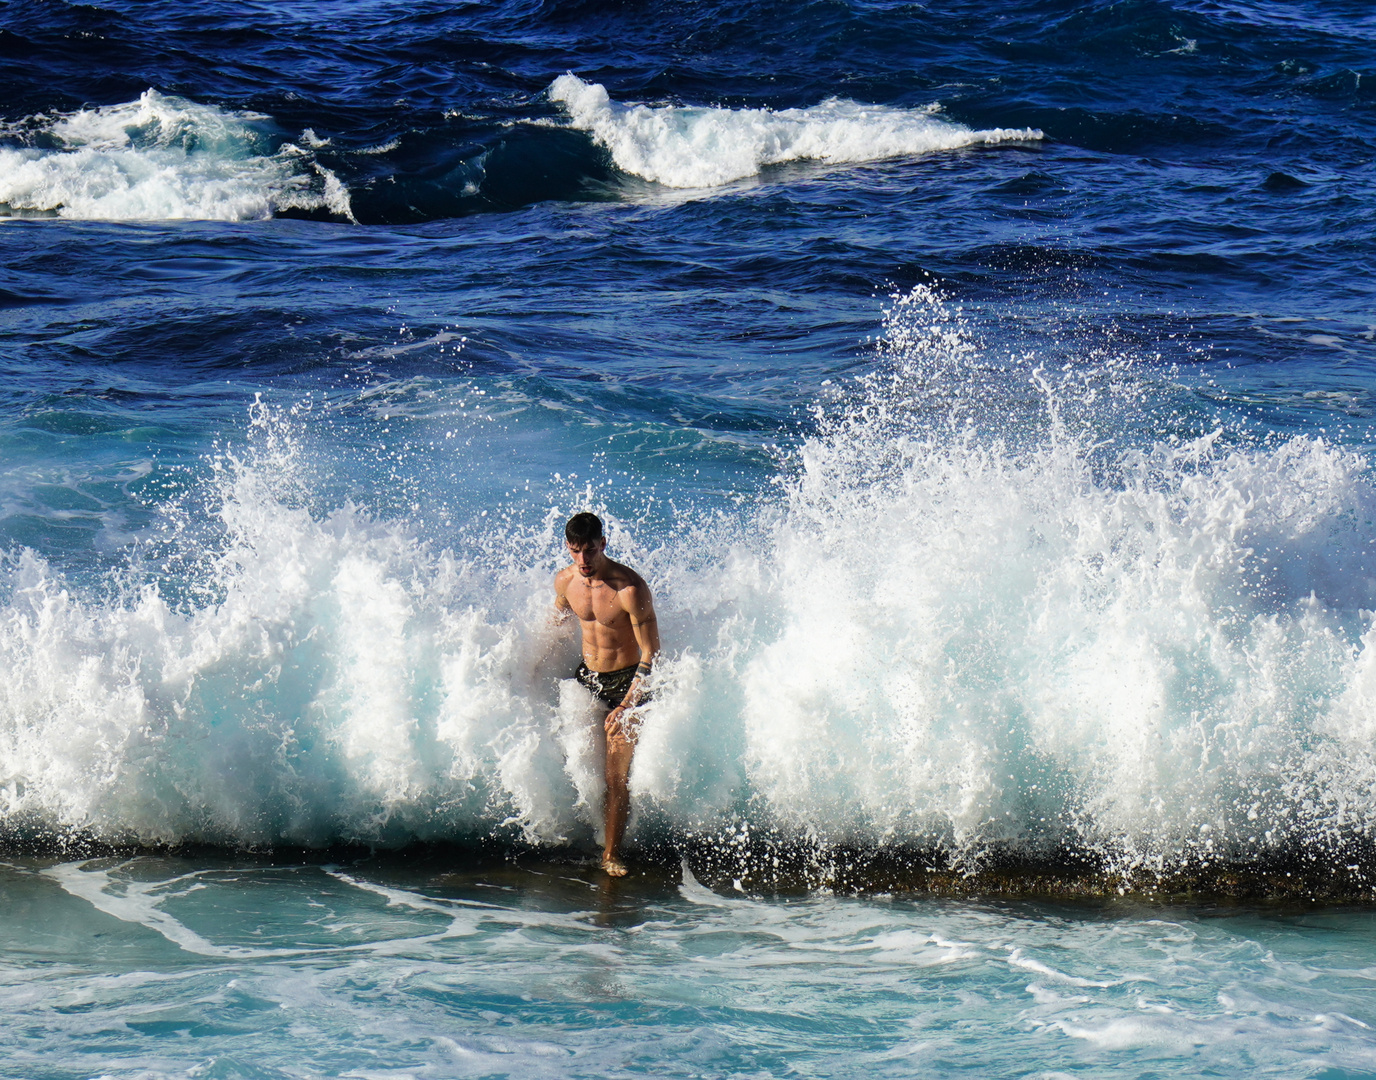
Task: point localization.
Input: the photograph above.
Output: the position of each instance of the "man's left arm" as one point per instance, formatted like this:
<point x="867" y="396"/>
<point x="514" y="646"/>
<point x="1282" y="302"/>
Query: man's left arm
<point x="639" y="605"/>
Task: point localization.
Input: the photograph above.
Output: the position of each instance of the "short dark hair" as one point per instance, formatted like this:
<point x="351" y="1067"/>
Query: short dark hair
<point x="583" y="528"/>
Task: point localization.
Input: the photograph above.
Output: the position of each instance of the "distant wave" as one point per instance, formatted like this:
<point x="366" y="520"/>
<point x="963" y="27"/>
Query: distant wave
<point x="159" y="158"/>
<point x="706" y="147"/>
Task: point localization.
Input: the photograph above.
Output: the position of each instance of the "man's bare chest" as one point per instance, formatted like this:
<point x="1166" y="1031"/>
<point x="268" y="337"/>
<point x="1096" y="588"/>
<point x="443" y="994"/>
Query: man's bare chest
<point x="596" y="604"/>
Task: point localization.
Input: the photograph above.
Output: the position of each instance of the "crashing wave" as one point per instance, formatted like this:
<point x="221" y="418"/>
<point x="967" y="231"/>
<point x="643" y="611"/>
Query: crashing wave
<point x="160" y="158"/>
<point x="984" y="632"/>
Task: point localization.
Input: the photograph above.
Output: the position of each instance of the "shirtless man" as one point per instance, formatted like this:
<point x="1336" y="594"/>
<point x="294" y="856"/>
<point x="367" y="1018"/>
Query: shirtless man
<point x="620" y="639"/>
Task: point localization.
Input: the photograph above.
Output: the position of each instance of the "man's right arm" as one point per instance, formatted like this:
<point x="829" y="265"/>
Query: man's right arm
<point x="562" y="607"/>
<point x="551" y="635"/>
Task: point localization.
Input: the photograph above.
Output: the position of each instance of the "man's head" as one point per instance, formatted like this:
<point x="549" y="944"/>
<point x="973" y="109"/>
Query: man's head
<point x="586" y="544"/>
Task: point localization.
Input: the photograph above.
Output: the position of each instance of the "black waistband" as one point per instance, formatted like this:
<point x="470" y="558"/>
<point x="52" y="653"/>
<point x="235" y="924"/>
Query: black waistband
<point x="584" y="670"/>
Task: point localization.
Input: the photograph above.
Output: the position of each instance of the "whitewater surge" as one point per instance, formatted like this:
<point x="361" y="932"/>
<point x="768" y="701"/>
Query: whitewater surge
<point x="332" y="679"/>
<point x="965" y="624"/>
<point x="706" y="147"/>
<point x="159" y="158"/>
<point x="995" y="636"/>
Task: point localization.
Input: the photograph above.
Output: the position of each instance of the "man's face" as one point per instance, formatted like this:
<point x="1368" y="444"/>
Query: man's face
<point x="587" y="557"/>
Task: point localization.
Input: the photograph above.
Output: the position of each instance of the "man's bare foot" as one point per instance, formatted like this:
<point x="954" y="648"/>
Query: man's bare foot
<point x="614" y="866"/>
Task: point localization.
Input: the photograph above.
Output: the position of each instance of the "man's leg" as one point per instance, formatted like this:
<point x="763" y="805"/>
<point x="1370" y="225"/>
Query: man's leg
<point x="618" y="804"/>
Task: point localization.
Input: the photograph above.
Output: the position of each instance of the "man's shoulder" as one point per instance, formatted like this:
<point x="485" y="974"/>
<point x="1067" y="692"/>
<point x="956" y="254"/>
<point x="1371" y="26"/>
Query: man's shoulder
<point x="626" y="578"/>
<point x="561" y="579"/>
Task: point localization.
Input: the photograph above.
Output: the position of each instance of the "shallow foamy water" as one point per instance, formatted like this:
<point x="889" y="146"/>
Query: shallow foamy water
<point x="223" y="967"/>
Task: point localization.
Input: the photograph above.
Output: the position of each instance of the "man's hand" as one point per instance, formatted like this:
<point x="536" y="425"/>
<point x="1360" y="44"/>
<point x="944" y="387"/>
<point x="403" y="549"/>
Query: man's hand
<point x="620" y="728"/>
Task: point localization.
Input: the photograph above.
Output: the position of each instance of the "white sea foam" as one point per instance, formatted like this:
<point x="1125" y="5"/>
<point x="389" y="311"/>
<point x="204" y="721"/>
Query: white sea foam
<point x="965" y="621"/>
<point x="161" y="157"/>
<point x="138" y="902"/>
<point x="705" y="147"/>
<point x="1024" y="641"/>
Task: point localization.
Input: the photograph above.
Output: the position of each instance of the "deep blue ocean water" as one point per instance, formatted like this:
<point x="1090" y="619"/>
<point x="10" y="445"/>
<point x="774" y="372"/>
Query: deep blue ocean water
<point x="985" y="390"/>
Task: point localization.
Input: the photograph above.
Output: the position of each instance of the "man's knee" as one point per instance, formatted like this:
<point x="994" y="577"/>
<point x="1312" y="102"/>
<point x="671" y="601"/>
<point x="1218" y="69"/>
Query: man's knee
<point x="618" y="763"/>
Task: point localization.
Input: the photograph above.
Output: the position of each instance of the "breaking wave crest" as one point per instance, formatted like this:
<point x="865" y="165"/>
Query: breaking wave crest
<point x="706" y="147"/>
<point x="159" y="158"/>
<point x="977" y="620"/>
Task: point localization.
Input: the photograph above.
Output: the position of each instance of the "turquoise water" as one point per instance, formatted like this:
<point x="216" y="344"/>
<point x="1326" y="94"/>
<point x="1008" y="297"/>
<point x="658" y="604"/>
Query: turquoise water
<point x="224" y="967"/>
